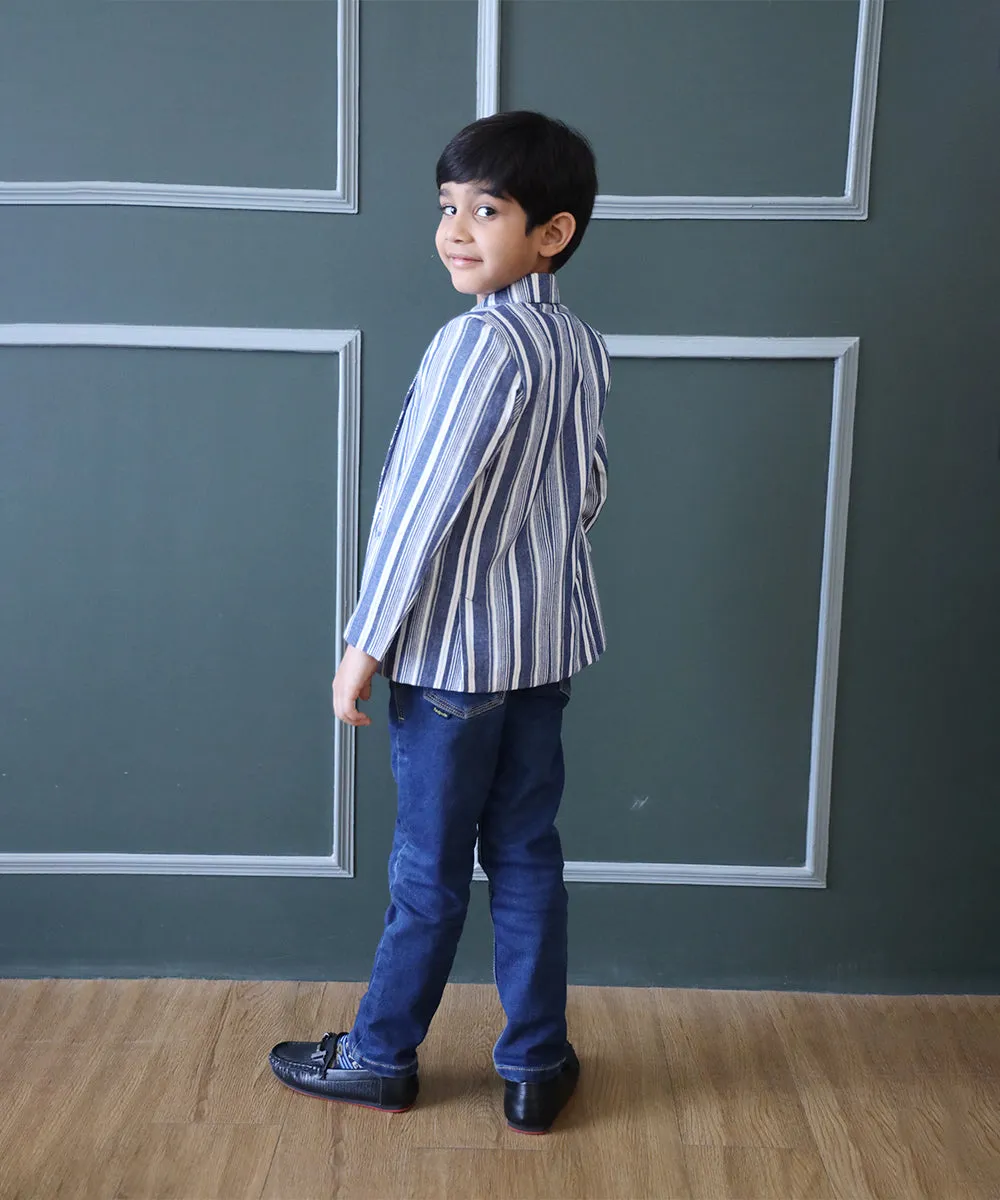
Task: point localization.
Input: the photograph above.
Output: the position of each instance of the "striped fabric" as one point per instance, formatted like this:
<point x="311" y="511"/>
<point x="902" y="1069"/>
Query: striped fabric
<point x="478" y="573"/>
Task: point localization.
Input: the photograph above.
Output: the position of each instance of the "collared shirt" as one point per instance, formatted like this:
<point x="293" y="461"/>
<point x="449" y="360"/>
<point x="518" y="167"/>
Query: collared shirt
<point x="478" y="573"/>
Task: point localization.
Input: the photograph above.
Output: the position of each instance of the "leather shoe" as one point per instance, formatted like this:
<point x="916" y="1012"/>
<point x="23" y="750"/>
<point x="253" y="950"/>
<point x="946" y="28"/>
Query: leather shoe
<point x="307" y="1067"/>
<point x="532" y="1107"/>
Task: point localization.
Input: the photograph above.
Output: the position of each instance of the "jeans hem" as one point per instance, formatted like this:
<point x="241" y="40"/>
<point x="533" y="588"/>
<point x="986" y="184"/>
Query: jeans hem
<point x="378" y="1068"/>
<point x="529" y="1074"/>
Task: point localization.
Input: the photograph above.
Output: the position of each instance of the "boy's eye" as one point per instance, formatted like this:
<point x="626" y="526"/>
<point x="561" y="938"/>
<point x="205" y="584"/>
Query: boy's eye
<point x="484" y="210"/>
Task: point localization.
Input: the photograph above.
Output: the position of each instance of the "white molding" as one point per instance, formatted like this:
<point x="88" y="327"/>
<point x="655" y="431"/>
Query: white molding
<point x="182" y="337"/>
<point x="682" y="346"/>
<point x="175" y="864"/>
<point x="346" y="343"/>
<point x="721" y="875"/>
<point x="342" y="199"/>
<point x="852" y="205"/>
<point x="488" y="59"/>
<point x="724" y="875"/>
<point x="812" y="873"/>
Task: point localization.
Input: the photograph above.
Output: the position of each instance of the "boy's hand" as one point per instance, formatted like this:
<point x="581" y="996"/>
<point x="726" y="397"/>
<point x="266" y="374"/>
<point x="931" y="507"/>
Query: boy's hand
<point x="352" y="683"/>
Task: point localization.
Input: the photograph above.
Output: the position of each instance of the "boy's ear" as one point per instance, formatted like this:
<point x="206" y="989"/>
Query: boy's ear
<point x="557" y="234"/>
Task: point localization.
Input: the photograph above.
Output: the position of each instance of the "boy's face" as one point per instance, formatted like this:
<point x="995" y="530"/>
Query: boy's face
<point x="481" y="239"/>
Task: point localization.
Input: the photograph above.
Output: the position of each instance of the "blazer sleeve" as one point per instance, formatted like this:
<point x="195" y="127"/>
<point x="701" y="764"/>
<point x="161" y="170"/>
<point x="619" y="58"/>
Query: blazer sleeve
<point x="468" y="395"/>
<point x="597" y="484"/>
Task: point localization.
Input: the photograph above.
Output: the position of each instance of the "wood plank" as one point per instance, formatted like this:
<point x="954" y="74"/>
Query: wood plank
<point x="207" y="1161"/>
<point x="966" y="1139"/>
<point x="908" y="1037"/>
<point x="627" y="1099"/>
<point x="190" y="1024"/>
<point x="328" y="1149"/>
<point x="89" y="1010"/>
<point x="71" y="1102"/>
<point x="732" y="1081"/>
<point x="554" y="1172"/>
<point x="882" y="1126"/>
<point x="748" y="1172"/>
<point x="214" y="1061"/>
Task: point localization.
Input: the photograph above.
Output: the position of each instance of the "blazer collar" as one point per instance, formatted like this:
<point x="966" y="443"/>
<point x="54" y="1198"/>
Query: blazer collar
<point x="538" y="288"/>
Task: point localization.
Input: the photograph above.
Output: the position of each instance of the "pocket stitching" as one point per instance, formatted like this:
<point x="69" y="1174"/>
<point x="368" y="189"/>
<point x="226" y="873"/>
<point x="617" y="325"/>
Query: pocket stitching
<point x="434" y="697"/>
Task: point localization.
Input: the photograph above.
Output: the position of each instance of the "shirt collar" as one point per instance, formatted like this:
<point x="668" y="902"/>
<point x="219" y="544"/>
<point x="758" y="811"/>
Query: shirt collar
<point x="538" y="288"/>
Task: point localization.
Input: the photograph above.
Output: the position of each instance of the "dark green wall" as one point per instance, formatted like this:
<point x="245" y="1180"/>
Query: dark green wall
<point x="701" y="703"/>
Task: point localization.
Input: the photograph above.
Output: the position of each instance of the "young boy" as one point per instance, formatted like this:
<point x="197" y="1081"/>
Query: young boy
<point x="478" y="602"/>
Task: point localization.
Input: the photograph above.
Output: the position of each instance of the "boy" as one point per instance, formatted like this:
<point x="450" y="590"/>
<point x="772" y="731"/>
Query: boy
<point x="477" y="603"/>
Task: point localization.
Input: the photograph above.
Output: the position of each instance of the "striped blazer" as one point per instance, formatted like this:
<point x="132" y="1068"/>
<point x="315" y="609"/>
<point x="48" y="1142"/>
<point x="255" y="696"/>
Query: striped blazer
<point x="478" y="573"/>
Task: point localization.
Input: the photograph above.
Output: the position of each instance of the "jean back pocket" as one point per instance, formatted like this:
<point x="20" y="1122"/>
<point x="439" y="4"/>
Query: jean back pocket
<point x="463" y="705"/>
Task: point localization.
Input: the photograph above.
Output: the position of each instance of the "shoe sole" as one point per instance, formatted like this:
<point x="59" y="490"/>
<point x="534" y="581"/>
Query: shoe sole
<point x="341" y="1100"/>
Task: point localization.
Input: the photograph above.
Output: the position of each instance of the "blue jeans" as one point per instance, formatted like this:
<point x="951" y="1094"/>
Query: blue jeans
<point x="468" y="765"/>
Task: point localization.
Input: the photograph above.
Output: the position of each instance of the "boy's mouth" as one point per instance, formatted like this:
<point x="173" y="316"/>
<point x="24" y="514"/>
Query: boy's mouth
<point x="460" y="260"/>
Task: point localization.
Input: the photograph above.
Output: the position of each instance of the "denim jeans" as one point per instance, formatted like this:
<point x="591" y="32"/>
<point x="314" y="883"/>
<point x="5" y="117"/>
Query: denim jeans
<point x="468" y="766"/>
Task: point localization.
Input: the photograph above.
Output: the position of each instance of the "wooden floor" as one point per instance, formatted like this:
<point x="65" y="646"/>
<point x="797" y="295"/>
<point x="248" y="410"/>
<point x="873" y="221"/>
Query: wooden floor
<point x="160" y="1088"/>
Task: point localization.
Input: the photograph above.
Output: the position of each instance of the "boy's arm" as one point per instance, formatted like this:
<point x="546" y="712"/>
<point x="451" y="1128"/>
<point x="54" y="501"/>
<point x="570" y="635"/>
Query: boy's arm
<point x="473" y="391"/>
<point x="597" y="484"/>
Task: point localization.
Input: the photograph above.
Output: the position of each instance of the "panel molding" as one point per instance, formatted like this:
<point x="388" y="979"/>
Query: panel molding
<point x="346" y="343"/>
<point x="341" y="199"/>
<point x="852" y="205"/>
<point x="843" y="351"/>
<point x="488" y="59"/>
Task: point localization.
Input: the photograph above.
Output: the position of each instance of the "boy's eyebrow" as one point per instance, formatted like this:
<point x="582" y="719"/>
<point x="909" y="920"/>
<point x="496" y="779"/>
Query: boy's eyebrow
<point x="482" y="192"/>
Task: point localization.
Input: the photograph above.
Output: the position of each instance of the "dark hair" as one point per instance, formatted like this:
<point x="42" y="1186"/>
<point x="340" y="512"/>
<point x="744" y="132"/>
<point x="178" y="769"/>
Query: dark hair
<point x="540" y="162"/>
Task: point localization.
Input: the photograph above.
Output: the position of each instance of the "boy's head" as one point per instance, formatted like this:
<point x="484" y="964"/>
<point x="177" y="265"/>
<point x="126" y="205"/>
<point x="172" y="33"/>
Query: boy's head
<point x="516" y="193"/>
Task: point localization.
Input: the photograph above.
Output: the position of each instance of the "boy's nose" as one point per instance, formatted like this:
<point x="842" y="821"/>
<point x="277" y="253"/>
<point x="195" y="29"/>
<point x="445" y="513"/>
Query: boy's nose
<point x="458" y="230"/>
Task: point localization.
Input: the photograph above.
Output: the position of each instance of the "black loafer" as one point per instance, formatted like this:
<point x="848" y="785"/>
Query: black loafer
<point x="306" y="1067"/>
<point x="532" y="1107"/>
